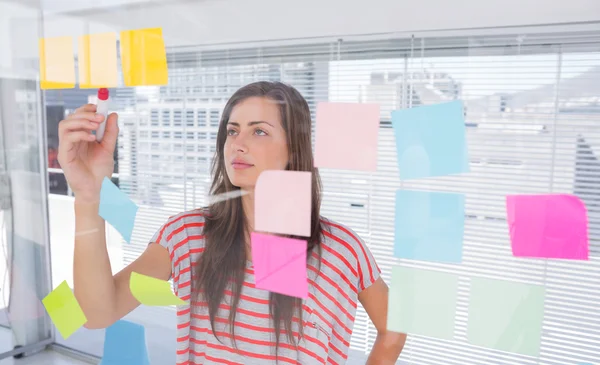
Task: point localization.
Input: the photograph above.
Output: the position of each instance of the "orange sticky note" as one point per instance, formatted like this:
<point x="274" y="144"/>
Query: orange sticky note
<point x="283" y="202"/>
<point x="143" y="57"/>
<point x="57" y="64"/>
<point x="346" y="136"/>
<point x="97" y="60"/>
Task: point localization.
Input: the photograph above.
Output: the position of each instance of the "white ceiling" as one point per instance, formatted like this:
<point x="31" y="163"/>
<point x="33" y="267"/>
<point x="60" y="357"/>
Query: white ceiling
<point x="73" y="6"/>
<point x="213" y="22"/>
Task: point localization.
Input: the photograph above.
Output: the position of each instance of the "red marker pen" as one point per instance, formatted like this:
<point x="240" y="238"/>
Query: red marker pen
<point x="102" y="108"/>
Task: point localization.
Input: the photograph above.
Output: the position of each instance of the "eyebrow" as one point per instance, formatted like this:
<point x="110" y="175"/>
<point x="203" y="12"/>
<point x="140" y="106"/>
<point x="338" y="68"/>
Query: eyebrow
<point x="250" y="123"/>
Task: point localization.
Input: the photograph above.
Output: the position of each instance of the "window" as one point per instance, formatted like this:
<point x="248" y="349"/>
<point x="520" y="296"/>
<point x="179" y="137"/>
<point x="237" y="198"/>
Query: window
<point x="166" y="117"/>
<point x="213" y="142"/>
<point x="189" y="118"/>
<point x="177" y="118"/>
<point x="526" y="134"/>
<point x="155" y="134"/>
<point x="201" y="118"/>
<point x="178" y="135"/>
<point x="143" y="134"/>
<point x="190" y="135"/>
<point x="214" y="118"/>
<point x="154" y="117"/>
<point x="166" y="134"/>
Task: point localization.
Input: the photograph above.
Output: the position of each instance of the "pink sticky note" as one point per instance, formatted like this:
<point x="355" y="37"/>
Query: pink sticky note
<point x="280" y="264"/>
<point x="282" y="202"/>
<point x="347" y="136"/>
<point x="548" y="226"/>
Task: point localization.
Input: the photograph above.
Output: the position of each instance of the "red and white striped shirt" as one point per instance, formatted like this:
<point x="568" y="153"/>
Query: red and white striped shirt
<point x="347" y="268"/>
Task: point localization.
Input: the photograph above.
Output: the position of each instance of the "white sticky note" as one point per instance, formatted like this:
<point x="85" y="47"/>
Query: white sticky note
<point x="346" y="136"/>
<point x="282" y="202"/>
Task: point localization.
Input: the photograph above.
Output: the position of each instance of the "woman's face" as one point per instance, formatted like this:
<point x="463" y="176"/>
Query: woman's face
<point x="256" y="141"/>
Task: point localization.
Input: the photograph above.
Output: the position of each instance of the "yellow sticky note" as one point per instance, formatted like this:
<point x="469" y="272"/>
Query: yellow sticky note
<point x="97" y="56"/>
<point x="64" y="310"/>
<point x="143" y="57"/>
<point x="57" y="64"/>
<point x="151" y="291"/>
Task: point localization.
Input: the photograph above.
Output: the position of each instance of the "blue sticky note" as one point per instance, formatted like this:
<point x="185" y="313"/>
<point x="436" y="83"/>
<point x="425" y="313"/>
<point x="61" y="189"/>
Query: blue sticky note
<point x="429" y="226"/>
<point x="117" y="209"/>
<point x="125" y="344"/>
<point x="431" y="140"/>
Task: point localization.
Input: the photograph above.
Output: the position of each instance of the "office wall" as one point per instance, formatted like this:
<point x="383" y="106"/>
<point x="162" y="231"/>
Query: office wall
<point x="244" y="20"/>
<point x="195" y="22"/>
<point x="223" y="21"/>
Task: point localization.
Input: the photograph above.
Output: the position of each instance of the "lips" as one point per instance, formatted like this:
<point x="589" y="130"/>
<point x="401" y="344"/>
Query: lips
<point x="240" y="164"/>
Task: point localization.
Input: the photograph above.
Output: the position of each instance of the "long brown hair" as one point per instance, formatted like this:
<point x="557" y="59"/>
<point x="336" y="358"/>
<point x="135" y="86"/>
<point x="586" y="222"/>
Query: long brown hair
<point x="225" y="227"/>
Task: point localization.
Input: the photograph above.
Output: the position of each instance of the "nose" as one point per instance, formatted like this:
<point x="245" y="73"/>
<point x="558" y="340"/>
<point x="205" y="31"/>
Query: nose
<point x="239" y="144"/>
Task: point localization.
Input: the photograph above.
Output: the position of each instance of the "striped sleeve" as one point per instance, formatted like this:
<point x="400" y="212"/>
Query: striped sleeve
<point x="368" y="270"/>
<point x="365" y="270"/>
<point x="163" y="237"/>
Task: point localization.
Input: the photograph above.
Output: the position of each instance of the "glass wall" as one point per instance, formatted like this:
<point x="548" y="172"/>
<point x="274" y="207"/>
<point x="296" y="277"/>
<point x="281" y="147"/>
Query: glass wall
<point x="533" y="126"/>
<point x="24" y="238"/>
<point x="532" y="121"/>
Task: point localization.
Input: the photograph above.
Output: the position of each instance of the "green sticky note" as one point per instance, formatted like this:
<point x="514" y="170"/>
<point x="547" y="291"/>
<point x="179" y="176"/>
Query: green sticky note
<point x="151" y="291"/>
<point x="422" y="302"/>
<point x="506" y="315"/>
<point x="64" y="310"/>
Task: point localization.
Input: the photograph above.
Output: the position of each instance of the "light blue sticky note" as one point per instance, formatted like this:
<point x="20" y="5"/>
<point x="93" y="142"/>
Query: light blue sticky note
<point x="431" y="140"/>
<point x="117" y="209"/>
<point x="429" y="226"/>
<point x="125" y="344"/>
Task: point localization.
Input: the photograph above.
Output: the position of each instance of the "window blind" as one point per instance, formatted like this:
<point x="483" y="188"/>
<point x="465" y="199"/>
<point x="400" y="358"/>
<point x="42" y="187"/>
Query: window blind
<point x="533" y="126"/>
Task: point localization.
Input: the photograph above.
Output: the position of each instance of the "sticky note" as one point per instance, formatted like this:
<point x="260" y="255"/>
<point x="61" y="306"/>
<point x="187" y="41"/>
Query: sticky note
<point x="548" y="226"/>
<point x="57" y="63"/>
<point x="429" y="226"/>
<point x="64" y="310"/>
<point x="143" y="57"/>
<point x="422" y="302"/>
<point x="151" y="291"/>
<point x="431" y="140"/>
<point x="506" y="315"/>
<point x="346" y="136"/>
<point x="125" y="344"/>
<point x="117" y="209"/>
<point x="97" y="59"/>
<point x="282" y="202"/>
<point x="280" y="264"/>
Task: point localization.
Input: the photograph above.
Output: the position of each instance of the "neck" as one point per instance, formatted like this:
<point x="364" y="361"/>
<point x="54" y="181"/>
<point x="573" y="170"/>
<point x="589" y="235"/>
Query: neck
<point x="248" y="206"/>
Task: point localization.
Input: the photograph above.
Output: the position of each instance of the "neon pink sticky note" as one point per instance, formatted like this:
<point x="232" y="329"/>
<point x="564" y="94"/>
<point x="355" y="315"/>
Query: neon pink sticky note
<point x="548" y="226"/>
<point x="346" y="136"/>
<point x="280" y="264"/>
<point x="282" y="202"/>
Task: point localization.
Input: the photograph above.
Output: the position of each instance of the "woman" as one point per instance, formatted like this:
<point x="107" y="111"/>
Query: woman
<point x="264" y="126"/>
